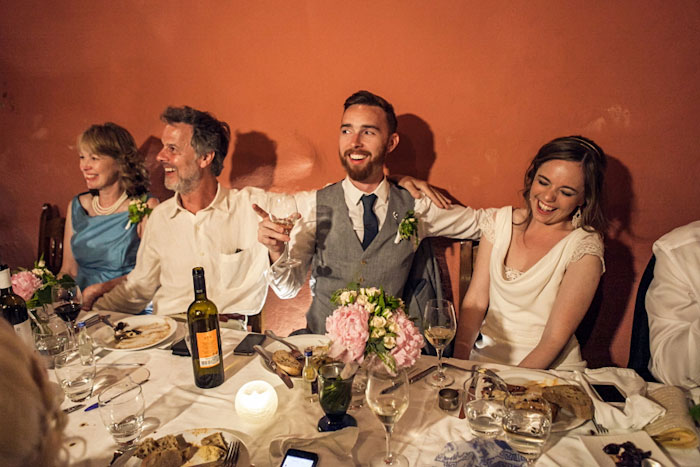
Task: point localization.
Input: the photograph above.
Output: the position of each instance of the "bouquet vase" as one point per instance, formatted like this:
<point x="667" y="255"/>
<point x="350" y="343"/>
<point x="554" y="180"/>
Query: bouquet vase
<point x="335" y="394"/>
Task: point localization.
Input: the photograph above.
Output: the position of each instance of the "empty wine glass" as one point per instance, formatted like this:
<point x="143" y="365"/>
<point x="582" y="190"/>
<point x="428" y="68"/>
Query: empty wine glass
<point x="283" y="211"/>
<point x="387" y="398"/>
<point x="440" y="325"/>
<point x="67" y="301"/>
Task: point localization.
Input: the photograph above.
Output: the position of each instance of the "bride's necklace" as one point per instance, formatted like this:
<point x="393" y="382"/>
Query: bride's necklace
<point x="100" y="211"/>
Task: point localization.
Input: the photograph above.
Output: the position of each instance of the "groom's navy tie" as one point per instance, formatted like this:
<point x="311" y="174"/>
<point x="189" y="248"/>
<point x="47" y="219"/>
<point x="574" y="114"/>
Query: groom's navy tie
<point x="369" y="219"/>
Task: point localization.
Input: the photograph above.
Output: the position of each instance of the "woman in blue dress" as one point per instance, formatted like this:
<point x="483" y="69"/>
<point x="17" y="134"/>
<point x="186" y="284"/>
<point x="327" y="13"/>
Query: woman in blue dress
<point x="100" y="241"/>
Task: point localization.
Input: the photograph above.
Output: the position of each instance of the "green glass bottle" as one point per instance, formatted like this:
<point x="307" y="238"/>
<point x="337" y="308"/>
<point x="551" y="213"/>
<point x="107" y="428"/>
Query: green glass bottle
<point x="205" y="336"/>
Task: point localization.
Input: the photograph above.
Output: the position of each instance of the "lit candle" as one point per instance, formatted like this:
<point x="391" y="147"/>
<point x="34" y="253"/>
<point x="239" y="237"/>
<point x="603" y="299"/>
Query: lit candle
<point x="256" y="401"/>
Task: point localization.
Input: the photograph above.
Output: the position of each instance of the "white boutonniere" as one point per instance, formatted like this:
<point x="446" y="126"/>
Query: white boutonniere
<point x="408" y="227"/>
<point x="138" y="209"/>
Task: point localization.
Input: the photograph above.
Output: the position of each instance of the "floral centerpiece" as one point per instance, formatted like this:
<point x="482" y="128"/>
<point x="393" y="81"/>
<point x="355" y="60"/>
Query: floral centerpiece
<point x="369" y="321"/>
<point x="34" y="285"/>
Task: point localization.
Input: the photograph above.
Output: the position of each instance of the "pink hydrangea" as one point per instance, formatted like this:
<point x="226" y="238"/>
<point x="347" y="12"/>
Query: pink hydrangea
<point x="24" y="284"/>
<point x="409" y="341"/>
<point x="348" y="330"/>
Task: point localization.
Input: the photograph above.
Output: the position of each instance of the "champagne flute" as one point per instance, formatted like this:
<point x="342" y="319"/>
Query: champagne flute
<point x="440" y="325"/>
<point x="387" y="398"/>
<point x="67" y="301"/>
<point x="283" y="211"/>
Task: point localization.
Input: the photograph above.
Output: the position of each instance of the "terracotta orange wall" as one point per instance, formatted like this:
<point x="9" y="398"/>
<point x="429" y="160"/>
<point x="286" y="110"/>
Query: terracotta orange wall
<point x="479" y="87"/>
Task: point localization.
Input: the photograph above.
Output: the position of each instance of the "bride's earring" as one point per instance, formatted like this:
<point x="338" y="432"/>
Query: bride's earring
<point x="576" y="219"/>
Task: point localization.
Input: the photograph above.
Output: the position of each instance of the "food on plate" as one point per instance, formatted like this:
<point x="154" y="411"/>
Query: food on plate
<point x="516" y="389"/>
<point x="287" y="362"/>
<point x="570" y="397"/>
<point x="626" y="454"/>
<point x="140" y="336"/>
<point x="175" y="451"/>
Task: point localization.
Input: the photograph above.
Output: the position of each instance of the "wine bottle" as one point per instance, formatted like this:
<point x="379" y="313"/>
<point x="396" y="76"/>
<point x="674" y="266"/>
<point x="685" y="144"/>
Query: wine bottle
<point x="13" y="307"/>
<point x="205" y="336"/>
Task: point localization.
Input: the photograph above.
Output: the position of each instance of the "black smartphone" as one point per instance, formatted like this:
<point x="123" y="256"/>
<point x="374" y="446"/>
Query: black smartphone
<point x="246" y="345"/>
<point x="609" y="392"/>
<point x="299" y="458"/>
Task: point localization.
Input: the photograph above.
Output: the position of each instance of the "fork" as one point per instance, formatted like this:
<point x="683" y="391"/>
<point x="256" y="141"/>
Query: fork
<point x="231" y="458"/>
<point x="599" y="428"/>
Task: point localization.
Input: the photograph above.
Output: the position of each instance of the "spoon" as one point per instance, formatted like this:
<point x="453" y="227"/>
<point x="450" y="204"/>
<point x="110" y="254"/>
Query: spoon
<point x="649" y="462"/>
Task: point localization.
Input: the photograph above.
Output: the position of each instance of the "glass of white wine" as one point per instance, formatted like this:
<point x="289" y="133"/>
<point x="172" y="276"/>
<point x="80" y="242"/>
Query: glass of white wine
<point x="283" y="211"/>
<point x="440" y="325"/>
<point x="387" y="397"/>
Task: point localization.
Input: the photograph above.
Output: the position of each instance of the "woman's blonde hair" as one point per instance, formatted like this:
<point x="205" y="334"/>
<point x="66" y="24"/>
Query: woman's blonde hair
<point x="109" y="139"/>
<point x="31" y="432"/>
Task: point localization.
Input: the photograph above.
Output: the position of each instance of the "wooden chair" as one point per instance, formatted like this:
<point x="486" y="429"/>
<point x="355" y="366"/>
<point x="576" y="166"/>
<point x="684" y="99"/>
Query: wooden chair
<point x="51" y="226"/>
<point x="467" y="256"/>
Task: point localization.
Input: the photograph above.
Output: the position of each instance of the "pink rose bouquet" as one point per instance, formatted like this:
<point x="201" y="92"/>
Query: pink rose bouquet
<point x="25" y="284"/>
<point x="34" y="285"/>
<point x="371" y="322"/>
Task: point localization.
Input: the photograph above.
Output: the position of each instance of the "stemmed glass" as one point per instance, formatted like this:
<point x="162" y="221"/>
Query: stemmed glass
<point x="387" y="398"/>
<point x="67" y="301"/>
<point x="283" y="211"/>
<point x="440" y="325"/>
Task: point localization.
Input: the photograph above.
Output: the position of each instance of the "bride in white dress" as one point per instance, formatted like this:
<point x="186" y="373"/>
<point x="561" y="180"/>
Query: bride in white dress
<point x="538" y="267"/>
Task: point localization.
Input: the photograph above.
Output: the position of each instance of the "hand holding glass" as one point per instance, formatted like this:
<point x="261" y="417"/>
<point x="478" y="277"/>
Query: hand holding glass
<point x="283" y="211"/>
<point x="121" y="408"/>
<point x="440" y="325"/>
<point x="387" y="397"/>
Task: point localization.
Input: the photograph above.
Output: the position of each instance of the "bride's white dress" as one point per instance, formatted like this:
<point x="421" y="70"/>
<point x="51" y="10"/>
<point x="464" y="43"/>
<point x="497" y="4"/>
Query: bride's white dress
<point x="520" y="302"/>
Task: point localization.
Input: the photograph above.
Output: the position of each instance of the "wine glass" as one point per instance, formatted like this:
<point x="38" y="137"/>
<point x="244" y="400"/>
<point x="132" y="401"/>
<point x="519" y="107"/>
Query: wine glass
<point x="283" y="211"/>
<point x="440" y="325"/>
<point x="387" y="398"/>
<point x="67" y="301"/>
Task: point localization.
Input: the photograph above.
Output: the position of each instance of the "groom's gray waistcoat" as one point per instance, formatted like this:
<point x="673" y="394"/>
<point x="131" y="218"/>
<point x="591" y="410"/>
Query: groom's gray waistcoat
<point x="339" y="259"/>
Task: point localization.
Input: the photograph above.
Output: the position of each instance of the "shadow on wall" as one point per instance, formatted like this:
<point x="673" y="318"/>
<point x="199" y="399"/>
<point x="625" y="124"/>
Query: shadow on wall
<point x="600" y="325"/>
<point x="253" y="161"/>
<point x="415" y="154"/>
<point x="150" y="149"/>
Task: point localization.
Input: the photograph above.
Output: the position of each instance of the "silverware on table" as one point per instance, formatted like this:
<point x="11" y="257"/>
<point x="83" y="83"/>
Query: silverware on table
<point x="486" y="371"/>
<point x="296" y="353"/>
<point x="73" y="408"/>
<point x="273" y="366"/>
<point x="417" y="377"/>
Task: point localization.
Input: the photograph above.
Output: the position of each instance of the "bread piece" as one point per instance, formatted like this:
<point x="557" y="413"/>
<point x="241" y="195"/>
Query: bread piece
<point x="215" y="439"/>
<point x="163" y="458"/>
<point x="146" y="447"/>
<point x="287" y="363"/>
<point x="572" y="398"/>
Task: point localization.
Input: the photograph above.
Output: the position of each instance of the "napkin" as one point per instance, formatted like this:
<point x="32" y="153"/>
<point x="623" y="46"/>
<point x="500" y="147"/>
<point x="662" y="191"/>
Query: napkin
<point x="637" y="412"/>
<point x="675" y="429"/>
<point x="483" y="452"/>
<point x="333" y="448"/>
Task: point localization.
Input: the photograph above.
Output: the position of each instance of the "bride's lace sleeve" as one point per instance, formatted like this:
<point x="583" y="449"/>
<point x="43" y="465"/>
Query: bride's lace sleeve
<point x="589" y="245"/>
<point x="487" y="225"/>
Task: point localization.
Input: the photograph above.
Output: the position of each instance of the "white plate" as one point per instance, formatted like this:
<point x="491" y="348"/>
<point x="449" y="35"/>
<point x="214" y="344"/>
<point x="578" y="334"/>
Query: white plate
<point x="156" y="329"/>
<point x="195" y="436"/>
<point x="302" y="341"/>
<point x="641" y="439"/>
<point x="565" y="420"/>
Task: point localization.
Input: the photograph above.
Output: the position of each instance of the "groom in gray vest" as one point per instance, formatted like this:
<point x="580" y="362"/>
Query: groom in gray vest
<point x="348" y="231"/>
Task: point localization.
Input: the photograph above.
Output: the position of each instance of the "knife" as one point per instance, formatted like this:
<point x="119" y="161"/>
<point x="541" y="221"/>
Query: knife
<point x="418" y="376"/>
<point x="273" y="366"/>
<point x="486" y="371"/>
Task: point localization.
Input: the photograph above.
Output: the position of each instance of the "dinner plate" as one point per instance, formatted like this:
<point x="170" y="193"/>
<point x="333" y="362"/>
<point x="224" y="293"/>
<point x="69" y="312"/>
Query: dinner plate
<point x="195" y="436"/>
<point x="565" y="420"/>
<point x="641" y="439"/>
<point x="302" y="341"/>
<point x="155" y="330"/>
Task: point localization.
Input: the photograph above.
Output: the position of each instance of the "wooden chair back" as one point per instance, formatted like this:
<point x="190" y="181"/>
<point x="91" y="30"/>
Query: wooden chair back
<point x="51" y="226"/>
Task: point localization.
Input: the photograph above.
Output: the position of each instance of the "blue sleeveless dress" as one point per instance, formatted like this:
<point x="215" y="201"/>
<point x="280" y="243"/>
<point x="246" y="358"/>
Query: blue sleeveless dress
<point x="102" y="246"/>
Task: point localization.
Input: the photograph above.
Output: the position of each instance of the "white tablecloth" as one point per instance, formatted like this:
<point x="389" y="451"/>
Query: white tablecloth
<point x="174" y="403"/>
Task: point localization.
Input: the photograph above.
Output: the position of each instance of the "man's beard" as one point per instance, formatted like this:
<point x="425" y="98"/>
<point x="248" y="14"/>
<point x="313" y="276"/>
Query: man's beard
<point x="360" y="174"/>
<point x="185" y="185"/>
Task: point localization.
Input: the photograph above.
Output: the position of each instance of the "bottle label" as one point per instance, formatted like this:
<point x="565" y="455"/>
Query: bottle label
<point x="208" y="349"/>
<point x="24" y="331"/>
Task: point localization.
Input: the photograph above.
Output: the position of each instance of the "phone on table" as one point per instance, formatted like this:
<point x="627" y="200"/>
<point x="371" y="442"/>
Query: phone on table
<point x="299" y="458"/>
<point x="609" y="392"/>
<point x="245" y="347"/>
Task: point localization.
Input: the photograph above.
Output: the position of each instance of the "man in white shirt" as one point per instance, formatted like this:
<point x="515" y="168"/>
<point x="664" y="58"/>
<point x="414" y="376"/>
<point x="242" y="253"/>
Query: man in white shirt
<point x="349" y="230"/>
<point x="673" y="308"/>
<point x="204" y="224"/>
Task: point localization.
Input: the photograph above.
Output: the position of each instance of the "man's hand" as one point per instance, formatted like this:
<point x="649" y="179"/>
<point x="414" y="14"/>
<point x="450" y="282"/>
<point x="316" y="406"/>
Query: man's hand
<point x="272" y="235"/>
<point x="95" y="291"/>
<point x="418" y="188"/>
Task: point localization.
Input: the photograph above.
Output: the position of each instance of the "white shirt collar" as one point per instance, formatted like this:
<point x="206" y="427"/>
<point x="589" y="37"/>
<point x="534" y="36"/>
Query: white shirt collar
<point x="220" y="201"/>
<point x="353" y="194"/>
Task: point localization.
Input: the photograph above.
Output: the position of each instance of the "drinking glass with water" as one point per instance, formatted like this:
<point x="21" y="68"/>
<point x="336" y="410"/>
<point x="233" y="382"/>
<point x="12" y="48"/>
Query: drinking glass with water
<point x="483" y="401"/>
<point x="122" y="408"/>
<point x="527" y="424"/>
<point x="76" y="375"/>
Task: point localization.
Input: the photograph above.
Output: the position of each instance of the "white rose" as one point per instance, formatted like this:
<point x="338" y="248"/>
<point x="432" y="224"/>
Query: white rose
<point x="37" y="272"/>
<point x="370" y="307"/>
<point x="389" y="342"/>
<point x="41" y="263"/>
<point x="361" y="300"/>
<point x="393" y="327"/>
<point x="378" y="332"/>
<point x="378" y="322"/>
<point x="372" y="291"/>
<point x="387" y="313"/>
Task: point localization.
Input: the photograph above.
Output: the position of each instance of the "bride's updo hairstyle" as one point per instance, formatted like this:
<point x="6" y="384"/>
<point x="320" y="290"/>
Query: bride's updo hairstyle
<point x="593" y="162"/>
<point x="31" y="432"/>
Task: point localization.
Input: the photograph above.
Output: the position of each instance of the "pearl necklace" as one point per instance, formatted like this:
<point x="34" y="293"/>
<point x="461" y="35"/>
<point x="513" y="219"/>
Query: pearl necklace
<point x="100" y="211"/>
